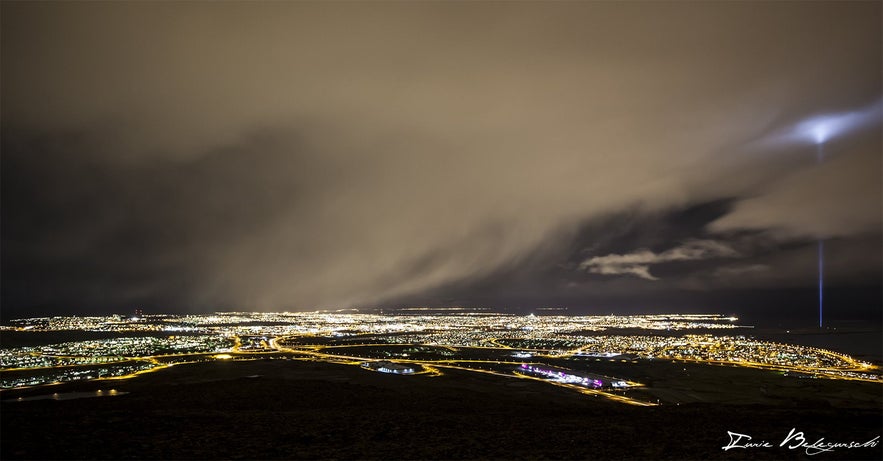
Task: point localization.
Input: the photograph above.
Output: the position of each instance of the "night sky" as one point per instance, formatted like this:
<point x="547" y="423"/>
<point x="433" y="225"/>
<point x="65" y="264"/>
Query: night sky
<point x="609" y="157"/>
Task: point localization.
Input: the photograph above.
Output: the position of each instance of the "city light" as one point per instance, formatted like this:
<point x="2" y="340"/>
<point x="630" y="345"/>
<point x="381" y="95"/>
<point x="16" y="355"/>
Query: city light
<point x="410" y="341"/>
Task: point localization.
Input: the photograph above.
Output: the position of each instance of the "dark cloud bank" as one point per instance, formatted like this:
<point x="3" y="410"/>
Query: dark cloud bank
<point x="288" y="156"/>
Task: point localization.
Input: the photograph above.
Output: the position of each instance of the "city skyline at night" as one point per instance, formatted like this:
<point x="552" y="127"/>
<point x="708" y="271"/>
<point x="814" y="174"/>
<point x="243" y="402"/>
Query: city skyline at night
<point x="298" y="156"/>
<point x="706" y="338"/>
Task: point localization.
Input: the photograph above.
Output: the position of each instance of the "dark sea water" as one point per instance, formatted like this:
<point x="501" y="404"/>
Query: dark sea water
<point x="860" y="336"/>
<point x="866" y="344"/>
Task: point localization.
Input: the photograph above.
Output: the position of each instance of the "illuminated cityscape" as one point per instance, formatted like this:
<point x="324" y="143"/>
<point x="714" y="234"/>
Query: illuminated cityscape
<point x="470" y="340"/>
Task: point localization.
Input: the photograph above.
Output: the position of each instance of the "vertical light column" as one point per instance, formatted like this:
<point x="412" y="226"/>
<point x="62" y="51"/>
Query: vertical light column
<point x="821" y="279"/>
<point x="819" y="156"/>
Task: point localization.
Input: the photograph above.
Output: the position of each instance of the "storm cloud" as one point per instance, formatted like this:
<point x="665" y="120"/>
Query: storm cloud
<point x="299" y="155"/>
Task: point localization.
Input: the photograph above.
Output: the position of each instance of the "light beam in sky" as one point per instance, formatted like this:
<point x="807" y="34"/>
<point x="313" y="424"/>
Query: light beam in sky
<point x="821" y="278"/>
<point x="819" y="155"/>
<point x="821" y="132"/>
<point x="822" y="128"/>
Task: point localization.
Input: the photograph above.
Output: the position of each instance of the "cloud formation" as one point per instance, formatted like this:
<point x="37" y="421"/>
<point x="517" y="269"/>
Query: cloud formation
<point x="736" y="270"/>
<point x="638" y="263"/>
<point x="839" y="197"/>
<point x="295" y="155"/>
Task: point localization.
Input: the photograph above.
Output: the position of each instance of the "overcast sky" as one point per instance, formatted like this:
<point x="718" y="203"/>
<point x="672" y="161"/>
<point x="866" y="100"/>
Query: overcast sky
<point x="296" y="155"/>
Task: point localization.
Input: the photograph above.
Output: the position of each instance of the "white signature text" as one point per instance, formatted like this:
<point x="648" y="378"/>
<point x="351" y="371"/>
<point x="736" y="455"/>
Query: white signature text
<point x="795" y="440"/>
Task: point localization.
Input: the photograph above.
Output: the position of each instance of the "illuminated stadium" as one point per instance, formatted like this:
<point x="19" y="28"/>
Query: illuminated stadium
<point x="564" y="375"/>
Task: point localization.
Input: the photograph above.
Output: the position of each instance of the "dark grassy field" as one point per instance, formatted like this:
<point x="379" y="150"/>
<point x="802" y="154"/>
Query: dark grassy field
<point x="314" y="410"/>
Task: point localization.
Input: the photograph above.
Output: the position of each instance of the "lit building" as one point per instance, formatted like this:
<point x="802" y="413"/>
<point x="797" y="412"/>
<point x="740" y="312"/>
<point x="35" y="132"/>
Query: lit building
<point x="564" y="375"/>
<point x="389" y="367"/>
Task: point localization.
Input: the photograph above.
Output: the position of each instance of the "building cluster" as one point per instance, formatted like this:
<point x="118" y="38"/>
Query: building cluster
<point x="108" y="350"/>
<point x="60" y="375"/>
<point x="742" y="349"/>
<point x="703" y="348"/>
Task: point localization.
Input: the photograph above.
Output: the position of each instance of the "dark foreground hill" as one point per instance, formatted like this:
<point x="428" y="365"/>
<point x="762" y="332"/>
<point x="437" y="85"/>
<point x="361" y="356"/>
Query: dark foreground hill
<point x="307" y="410"/>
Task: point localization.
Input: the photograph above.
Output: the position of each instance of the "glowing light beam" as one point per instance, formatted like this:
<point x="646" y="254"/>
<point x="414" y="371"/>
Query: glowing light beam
<point x="822" y="128"/>
<point x="820" y="154"/>
<point x="821" y="278"/>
